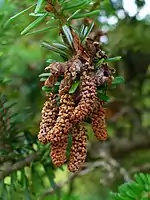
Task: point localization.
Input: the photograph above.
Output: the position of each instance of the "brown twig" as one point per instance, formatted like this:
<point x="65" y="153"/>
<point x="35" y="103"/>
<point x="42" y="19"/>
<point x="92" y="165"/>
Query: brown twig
<point x="117" y="147"/>
<point x="89" y="167"/>
<point x="19" y="164"/>
<point x="141" y="168"/>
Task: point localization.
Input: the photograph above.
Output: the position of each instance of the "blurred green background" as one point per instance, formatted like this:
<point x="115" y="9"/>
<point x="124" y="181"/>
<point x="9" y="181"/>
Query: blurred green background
<point x="26" y="171"/>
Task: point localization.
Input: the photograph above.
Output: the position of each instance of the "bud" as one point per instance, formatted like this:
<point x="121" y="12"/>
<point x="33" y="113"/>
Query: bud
<point x="73" y="67"/>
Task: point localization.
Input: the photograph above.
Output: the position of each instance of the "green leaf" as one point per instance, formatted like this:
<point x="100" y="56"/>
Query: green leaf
<point x="74" y="14"/>
<point x="26" y="191"/>
<point x="50" y="174"/>
<point x="143" y="178"/>
<point x="9" y="105"/>
<point x="103" y="97"/>
<point x="4" y="194"/>
<point x="114" y="196"/>
<point x="37" y="14"/>
<point x="38" y="6"/>
<point x="2" y="185"/>
<point x="69" y="146"/>
<point x="36" y="178"/>
<point x="45" y="74"/>
<point x="131" y="194"/>
<point x="114" y="59"/>
<point x="78" y="4"/>
<point x="87" y="31"/>
<point x="39" y="31"/>
<point x="68" y="35"/>
<point x="74" y="87"/>
<point x="138" y="179"/>
<point x="124" y="189"/>
<point x="100" y="61"/>
<point x="33" y="24"/>
<point x="43" y="79"/>
<point x="13" y="117"/>
<point x="118" y="80"/>
<point x="46" y="89"/>
<point x="57" y="83"/>
<point x="82" y="31"/>
<point x="122" y="197"/>
<point x="95" y="12"/>
<point x="56" y="87"/>
<point x="50" y="61"/>
<point x="136" y="188"/>
<point x="148" y="178"/>
<point x="56" y="50"/>
<point x="22" y="179"/>
<point x="18" y="14"/>
<point x="62" y="47"/>
<point x="61" y="168"/>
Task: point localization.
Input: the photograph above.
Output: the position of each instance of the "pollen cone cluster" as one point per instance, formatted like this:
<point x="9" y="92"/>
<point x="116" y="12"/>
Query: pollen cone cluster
<point x="62" y="118"/>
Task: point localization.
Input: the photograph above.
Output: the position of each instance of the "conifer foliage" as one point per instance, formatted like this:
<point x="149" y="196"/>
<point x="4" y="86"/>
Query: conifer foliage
<point x="139" y="188"/>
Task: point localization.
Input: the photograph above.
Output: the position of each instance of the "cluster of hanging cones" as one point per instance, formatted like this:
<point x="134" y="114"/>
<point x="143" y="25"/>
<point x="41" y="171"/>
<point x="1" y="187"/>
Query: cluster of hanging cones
<point x="64" y="113"/>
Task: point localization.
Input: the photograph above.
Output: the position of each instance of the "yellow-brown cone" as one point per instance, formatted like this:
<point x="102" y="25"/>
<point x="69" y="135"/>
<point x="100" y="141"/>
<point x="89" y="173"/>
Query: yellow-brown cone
<point x="78" y="150"/>
<point x="88" y="98"/>
<point x="58" y="153"/>
<point x="63" y="124"/>
<point x="49" y="116"/>
<point x="99" y="123"/>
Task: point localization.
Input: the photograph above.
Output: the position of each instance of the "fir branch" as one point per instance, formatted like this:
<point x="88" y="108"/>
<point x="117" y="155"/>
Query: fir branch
<point x="19" y="164"/>
<point x="123" y="147"/>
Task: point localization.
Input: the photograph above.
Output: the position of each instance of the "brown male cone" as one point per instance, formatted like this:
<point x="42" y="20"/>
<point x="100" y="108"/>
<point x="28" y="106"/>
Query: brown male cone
<point x="59" y="133"/>
<point x="78" y="149"/>
<point x="58" y="153"/>
<point x="49" y="116"/>
<point x="98" y="121"/>
<point x="88" y="98"/>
